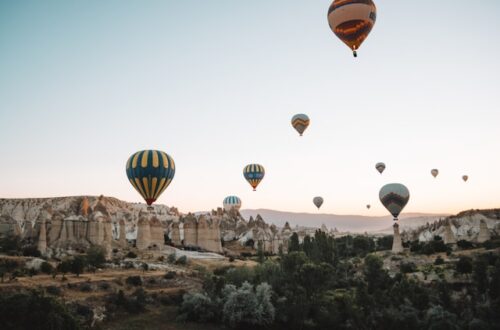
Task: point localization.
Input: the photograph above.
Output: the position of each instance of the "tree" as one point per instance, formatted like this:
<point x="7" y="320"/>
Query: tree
<point x="96" y="256"/>
<point x="464" y="265"/>
<point x="64" y="267"/>
<point x="494" y="290"/>
<point x="260" y="252"/>
<point x="78" y="265"/>
<point x="375" y="276"/>
<point x="480" y="275"/>
<point x="197" y="307"/>
<point x="145" y="267"/>
<point x="294" y="243"/>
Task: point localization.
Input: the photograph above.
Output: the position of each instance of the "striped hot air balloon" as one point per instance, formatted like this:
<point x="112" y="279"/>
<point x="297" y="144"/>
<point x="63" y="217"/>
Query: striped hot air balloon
<point x="300" y="122"/>
<point x="352" y="21"/>
<point x="254" y="173"/>
<point x="150" y="172"/>
<point x="232" y="202"/>
<point x="394" y="197"/>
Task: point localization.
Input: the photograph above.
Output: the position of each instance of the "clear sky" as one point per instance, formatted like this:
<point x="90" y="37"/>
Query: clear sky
<point x="84" y="84"/>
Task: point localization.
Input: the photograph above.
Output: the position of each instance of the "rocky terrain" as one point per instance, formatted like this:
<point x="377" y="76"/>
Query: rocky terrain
<point x="474" y="226"/>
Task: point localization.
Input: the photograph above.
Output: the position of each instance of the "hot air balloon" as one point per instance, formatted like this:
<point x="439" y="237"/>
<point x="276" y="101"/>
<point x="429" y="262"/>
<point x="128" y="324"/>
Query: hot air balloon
<point x="465" y="178"/>
<point x="368" y="206"/>
<point x="435" y="172"/>
<point x="150" y="172"/>
<point x="300" y="122"/>
<point x="254" y="173"/>
<point x="232" y="202"/>
<point x="318" y="201"/>
<point x="380" y="167"/>
<point x="394" y="197"/>
<point x="352" y="21"/>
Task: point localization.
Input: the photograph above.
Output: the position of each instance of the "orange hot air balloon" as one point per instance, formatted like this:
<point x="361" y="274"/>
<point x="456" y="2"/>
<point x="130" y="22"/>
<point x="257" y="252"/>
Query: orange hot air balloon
<point x="352" y="21"/>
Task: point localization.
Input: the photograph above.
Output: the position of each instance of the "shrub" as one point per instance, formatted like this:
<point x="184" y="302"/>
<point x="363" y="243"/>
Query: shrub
<point x="197" y="307"/>
<point x="131" y="255"/>
<point x="46" y="268"/>
<point x="134" y="280"/>
<point x="31" y="251"/>
<point x="181" y="261"/>
<point x="34" y="310"/>
<point x="408" y="267"/>
<point x="77" y="265"/>
<point x="86" y="287"/>
<point x="169" y="275"/>
<point x="96" y="256"/>
<point x="465" y="245"/>
<point x="439" y="261"/>
<point x="104" y="286"/>
<point x="231" y="258"/>
<point x="53" y="290"/>
<point x="171" y="258"/>
<point x="464" y="265"/>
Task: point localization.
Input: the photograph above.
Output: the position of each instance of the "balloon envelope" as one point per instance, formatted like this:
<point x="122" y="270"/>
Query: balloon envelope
<point x="232" y="202"/>
<point x="368" y="206"/>
<point x="394" y="197"/>
<point x="254" y="173"/>
<point x="380" y="167"/>
<point x="352" y="21"/>
<point x="300" y="122"/>
<point x="465" y="178"/>
<point x="435" y="172"/>
<point x="318" y="201"/>
<point x="150" y="173"/>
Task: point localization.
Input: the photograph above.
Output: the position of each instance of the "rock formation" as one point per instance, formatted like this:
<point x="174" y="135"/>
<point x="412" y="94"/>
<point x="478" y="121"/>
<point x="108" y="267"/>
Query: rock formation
<point x="42" y="238"/>
<point x="143" y="234"/>
<point x="397" y="245"/>
<point x="449" y="237"/>
<point x="123" y="236"/>
<point x="175" y="234"/>
<point x="484" y="233"/>
<point x="190" y="231"/>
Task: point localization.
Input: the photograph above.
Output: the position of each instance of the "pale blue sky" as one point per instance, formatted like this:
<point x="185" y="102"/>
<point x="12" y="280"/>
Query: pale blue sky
<point x="84" y="84"/>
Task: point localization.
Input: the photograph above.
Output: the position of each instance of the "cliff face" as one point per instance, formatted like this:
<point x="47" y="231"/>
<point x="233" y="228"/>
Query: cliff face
<point x="473" y="226"/>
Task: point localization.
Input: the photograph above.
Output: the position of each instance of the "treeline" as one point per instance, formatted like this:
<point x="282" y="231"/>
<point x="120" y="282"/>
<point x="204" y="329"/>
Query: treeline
<point x="313" y="287"/>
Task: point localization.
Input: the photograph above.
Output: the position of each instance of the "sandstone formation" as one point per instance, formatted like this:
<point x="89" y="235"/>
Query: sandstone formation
<point x="484" y="233"/>
<point x="123" y="235"/>
<point x="397" y="244"/>
<point x="448" y="236"/>
<point x="143" y="234"/>
<point x="175" y="234"/>
<point x="42" y="239"/>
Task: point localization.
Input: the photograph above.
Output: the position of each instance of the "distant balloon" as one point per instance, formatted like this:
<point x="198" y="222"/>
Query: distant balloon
<point x="300" y="122"/>
<point x="435" y="172"/>
<point x="394" y="197"/>
<point x="318" y="201"/>
<point x="150" y="172"/>
<point x="368" y="206"/>
<point x="352" y="21"/>
<point x="254" y="173"/>
<point x="232" y="202"/>
<point x="465" y="178"/>
<point x="380" y="167"/>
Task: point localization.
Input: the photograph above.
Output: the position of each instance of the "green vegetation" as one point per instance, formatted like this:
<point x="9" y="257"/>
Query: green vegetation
<point x="331" y="283"/>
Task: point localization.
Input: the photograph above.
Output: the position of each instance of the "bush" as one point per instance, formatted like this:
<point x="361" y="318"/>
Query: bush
<point x="408" y="267"/>
<point x="53" y="290"/>
<point x="243" y="307"/>
<point x="104" y="286"/>
<point x="171" y="258"/>
<point x="78" y="265"/>
<point x="131" y="255"/>
<point x="197" y="307"/>
<point x="464" y="265"/>
<point x="439" y="261"/>
<point x="181" y="261"/>
<point x="86" y="287"/>
<point x="31" y="251"/>
<point x="96" y="256"/>
<point x="46" y="268"/>
<point x="231" y="259"/>
<point x="465" y="245"/>
<point x="134" y="280"/>
<point x="34" y="310"/>
<point x="169" y="275"/>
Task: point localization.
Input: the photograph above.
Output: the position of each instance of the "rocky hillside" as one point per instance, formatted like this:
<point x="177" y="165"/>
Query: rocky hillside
<point x="472" y="225"/>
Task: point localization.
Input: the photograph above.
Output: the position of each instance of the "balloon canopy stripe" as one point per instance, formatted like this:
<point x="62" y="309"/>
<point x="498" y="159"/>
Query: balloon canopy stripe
<point x="154" y="174"/>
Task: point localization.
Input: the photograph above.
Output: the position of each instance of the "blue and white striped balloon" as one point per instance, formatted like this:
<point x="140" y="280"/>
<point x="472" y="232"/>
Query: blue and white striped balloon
<point x="231" y="202"/>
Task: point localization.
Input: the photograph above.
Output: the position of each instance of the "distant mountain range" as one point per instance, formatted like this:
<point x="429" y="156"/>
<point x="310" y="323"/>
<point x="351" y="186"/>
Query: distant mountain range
<point x="352" y="223"/>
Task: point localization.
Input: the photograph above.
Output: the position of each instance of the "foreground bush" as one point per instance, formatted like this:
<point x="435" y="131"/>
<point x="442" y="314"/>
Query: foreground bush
<point x="34" y="311"/>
